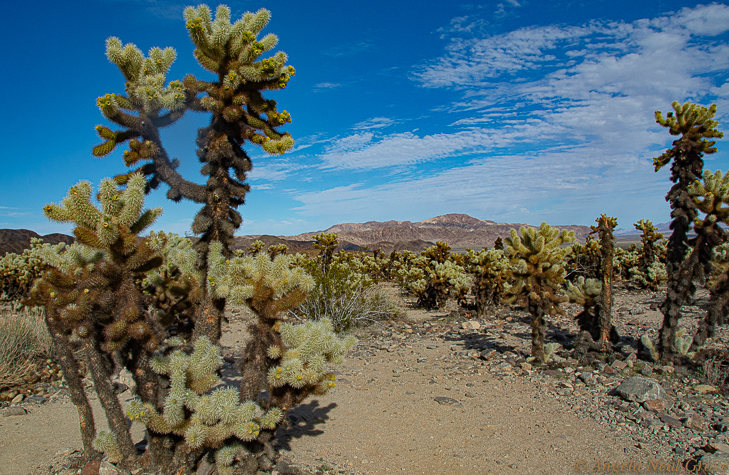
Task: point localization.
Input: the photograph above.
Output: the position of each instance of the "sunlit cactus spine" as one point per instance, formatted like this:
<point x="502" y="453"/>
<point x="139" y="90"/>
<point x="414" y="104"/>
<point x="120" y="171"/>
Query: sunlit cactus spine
<point x="537" y="258"/>
<point x="435" y="282"/>
<point x="696" y="127"/>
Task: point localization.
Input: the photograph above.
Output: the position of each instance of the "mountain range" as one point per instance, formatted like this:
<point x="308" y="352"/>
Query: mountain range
<point x="460" y="231"/>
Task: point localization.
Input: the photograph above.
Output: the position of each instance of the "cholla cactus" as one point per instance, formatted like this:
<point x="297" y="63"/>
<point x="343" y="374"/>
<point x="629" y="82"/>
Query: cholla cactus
<point x="649" y="271"/>
<point x="538" y="268"/>
<point x="696" y="127"/>
<point x="269" y="287"/>
<point x="491" y="271"/>
<point x="650" y="347"/>
<point x="550" y="351"/>
<point x="327" y="243"/>
<point x="711" y="198"/>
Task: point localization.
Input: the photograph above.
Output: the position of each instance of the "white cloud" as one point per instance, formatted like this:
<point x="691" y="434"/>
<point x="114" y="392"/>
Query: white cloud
<point x="375" y="123"/>
<point x="323" y="86"/>
<point x="272" y="170"/>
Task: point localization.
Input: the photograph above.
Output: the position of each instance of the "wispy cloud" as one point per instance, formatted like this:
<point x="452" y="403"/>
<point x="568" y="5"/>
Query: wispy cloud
<point x="323" y="86"/>
<point x="348" y="49"/>
<point x="375" y="123"/>
<point x="272" y="170"/>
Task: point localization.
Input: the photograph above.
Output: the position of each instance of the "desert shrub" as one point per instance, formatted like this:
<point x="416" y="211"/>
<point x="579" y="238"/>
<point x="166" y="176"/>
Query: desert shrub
<point x="23" y="337"/>
<point x="343" y="295"/>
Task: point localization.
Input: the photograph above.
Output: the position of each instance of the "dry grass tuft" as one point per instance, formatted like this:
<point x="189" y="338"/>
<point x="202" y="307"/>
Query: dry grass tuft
<point x="23" y="337"/>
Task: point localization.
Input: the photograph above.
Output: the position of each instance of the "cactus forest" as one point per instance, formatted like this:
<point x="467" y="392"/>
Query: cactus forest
<point x="154" y="303"/>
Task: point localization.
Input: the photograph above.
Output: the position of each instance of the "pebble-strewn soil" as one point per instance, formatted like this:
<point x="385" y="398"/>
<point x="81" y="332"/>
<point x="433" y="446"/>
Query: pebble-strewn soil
<point x="438" y="392"/>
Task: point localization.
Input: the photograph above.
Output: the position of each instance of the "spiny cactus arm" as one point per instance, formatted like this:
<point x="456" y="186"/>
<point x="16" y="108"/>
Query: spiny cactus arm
<point x="693" y="122"/>
<point x="711" y="197"/>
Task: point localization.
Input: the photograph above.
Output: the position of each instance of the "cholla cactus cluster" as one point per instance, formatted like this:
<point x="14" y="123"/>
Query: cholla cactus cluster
<point x="490" y="270"/>
<point x="18" y="272"/>
<point x="257" y="281"/>
<point x="435" y="282"/>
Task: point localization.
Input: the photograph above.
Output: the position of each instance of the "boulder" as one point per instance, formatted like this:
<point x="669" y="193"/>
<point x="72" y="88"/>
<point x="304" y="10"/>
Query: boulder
<point x="640" y="390"/>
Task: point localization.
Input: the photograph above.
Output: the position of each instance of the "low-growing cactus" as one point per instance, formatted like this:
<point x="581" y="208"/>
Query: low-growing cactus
<point x="434" y="282"/>
<point x="537" y="258"/>
<point x="649" y="271"/>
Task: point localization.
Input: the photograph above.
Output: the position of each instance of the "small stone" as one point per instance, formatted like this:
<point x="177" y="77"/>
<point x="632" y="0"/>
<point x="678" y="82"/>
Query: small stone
<point x="618" y="365"/>
<point x="713" y="447"/>
<point x="15" y="411"/>
<point x="91" y="468"/>
<point x="608" y="370"/>
<point x="471" y="325"/>
<point x="65" y="452"/>
<point x="17" y="399"/>
<point x="705" y="388"/>
<point x="671" y="421"/>
<point x="586" y="376"/>
<point x="723" y="426"/>
<point x="655" y="405"/>
<point x="431" y="347"/>
<point x="526" y="366"/>
<point x="668" y="369"/>
<point x="695" y="422"/>
<point x="447" y="401"/>
<point x="470" y="394"/>
<point x="632" y="358"/>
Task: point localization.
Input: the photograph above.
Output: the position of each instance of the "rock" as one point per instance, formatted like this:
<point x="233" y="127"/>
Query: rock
<point x="471" y="325"/>
<point x="586" y="376"/>
<point x="447" y="401"/>
<point x="640" y="390"/>
<point x="38" y="399"/>
<point x="705" y="388"/>
<point x="107" y="468"/>
<point x="91" y="468"/>
<point x="695" y="422"/>
<point x="713" y="447"/>
<point x="723" y="426"/>
<point x="713" y="464"/>
<point x="619" y="365"/>
<point x="65" y="452"/>
<point x="15" y="411"/>
<point x="671" y="421"/>
<point x="655" y="405"/>
<point x="17" y="399"/>
<point x="470" y="394"/>
<point x="488" y="354"/>
<point x="526" y="366"/>
<point x="632" y="358"/>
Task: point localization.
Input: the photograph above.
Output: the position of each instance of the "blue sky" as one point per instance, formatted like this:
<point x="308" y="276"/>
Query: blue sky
<point x="510" y="110"/>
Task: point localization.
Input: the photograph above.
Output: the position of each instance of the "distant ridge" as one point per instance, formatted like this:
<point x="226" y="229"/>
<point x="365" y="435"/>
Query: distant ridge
<point x="460" y="231"/>
<point x="17" y="240"/>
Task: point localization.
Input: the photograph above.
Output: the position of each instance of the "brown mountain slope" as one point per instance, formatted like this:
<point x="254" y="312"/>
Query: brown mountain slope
<point x="17" y="240"/>
<point x="460" y="231"/>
